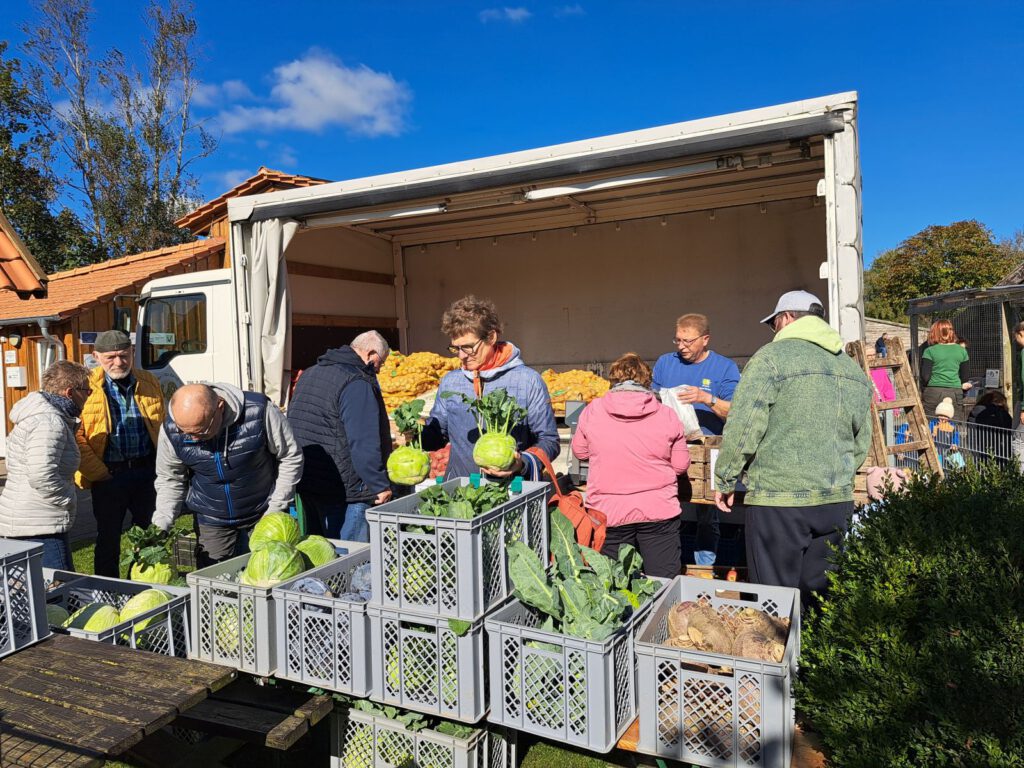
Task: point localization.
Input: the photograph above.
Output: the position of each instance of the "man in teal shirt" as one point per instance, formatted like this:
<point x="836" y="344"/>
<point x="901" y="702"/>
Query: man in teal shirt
<point x="799" y="428"/>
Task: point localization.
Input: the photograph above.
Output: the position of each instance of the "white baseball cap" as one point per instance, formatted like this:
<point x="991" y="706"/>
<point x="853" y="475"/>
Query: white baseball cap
<point x="793" y="301"/>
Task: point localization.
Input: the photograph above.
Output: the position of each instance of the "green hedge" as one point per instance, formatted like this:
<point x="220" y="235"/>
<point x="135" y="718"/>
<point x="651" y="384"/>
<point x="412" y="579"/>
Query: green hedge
<point x="917" y="656"/>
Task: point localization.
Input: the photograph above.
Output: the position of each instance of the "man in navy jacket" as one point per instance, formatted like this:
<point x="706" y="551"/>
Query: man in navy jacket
<point x="340" y="422"/>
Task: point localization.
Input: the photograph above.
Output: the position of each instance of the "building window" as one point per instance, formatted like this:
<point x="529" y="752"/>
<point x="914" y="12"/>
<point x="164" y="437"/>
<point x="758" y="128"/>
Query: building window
<point x="173" y="326"/>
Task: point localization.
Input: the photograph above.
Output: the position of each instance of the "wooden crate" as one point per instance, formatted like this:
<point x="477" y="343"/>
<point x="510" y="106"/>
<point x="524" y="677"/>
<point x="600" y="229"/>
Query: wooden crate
<point x="698" y="475"/>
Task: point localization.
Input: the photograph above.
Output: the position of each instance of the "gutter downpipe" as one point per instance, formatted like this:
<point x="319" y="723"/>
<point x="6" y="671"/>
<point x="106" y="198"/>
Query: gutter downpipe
<point x="52" y="340"/>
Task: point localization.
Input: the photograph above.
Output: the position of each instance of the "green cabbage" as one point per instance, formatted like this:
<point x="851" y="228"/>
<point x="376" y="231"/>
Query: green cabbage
<point x="317" y="550"/>
<point x="274" y="526"/>
<point x="161" y="573"/>
<point x="226" y="631"/>
<point x="408" y="465"/>
<point x="56" y="615"/>
<point x="272" y="564"/>
<point x="495" y="450"/>
<point x="142" y="602"/>
<point x="94" y="617"/>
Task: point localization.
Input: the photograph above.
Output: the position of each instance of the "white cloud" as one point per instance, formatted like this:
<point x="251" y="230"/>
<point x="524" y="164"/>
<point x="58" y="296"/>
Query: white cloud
<point x="228" y="179"/>
<point x="318" y="92"/>
<point x="214" y="95"/>
<point x="287" y="157"/>
<point x="569" y="10"/>
<point x="513" y="15"/>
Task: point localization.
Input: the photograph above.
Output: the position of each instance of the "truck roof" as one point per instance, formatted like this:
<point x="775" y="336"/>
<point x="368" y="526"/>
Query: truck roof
<point x="798" y="119"/>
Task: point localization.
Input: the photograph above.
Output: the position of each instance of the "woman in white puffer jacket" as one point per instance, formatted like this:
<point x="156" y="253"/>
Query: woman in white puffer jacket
<point x="38" y="502"/>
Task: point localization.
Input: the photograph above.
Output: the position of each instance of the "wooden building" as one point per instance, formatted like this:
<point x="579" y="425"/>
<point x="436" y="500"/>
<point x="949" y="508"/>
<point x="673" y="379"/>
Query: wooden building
<point x="62" y="313"/>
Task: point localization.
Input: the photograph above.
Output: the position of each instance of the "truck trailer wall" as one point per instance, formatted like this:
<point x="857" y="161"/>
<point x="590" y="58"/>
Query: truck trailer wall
<point x="571" y="298"/>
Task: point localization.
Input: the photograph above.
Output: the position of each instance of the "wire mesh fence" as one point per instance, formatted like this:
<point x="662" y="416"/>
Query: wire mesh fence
<point x="956" y="442"/>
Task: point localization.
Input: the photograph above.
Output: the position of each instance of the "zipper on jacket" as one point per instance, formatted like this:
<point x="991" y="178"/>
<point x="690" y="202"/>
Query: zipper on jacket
<point x="227" y="488"/>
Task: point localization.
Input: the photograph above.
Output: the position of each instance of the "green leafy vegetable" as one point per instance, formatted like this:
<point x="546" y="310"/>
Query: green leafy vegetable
<point x="317" y="550"/>
<point x="142" y="602"/>
<point x="409" y="464"/>
<point x="274" y="526"/>
<point x="149" y="555"/>
<point x="272" y="564"/>
<point x="94" y="617"/>
<point x="497" y="414"/>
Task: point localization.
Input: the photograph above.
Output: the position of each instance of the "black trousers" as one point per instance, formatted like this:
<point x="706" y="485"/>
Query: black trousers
<point x="792" y="546"/>
<point x="128" y="491"/>
<point x="658" y="544"/>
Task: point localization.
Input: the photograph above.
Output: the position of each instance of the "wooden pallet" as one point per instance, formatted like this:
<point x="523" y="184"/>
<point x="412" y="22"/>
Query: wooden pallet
<point x="908" y="400"/>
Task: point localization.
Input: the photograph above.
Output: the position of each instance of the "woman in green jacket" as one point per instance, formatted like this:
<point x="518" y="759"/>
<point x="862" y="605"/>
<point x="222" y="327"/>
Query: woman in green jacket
<point x="944" y="369"/>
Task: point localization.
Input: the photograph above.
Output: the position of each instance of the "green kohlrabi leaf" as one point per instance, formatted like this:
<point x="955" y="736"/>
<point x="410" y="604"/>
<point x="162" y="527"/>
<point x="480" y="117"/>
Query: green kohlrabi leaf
<point x="568" y="559"/>
<point x="590" y="629"/>
<point x="530" y="580"/>
<point x="631" y="564"/>
<point x="459" y="627"/>
<point x="575" y="600"/>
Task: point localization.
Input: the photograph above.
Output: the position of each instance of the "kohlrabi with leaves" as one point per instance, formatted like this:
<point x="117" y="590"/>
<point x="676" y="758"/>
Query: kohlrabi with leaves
<point x="409" y="464"/>
<point x="149" y="555"/>
<point x="497" y="413"/>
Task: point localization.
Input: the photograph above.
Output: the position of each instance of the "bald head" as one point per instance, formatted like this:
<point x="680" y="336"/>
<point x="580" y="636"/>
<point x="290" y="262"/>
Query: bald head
<point x="197" y="410"/>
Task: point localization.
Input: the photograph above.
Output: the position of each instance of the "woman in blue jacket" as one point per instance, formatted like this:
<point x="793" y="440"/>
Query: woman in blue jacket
<point x="488" y="364"/>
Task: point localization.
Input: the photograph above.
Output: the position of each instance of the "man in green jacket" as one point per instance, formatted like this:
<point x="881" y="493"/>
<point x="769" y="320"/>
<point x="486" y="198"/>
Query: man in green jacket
<point x="800" y="427"/>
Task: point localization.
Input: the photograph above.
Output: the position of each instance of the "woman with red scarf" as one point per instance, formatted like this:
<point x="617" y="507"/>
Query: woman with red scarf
<point x="488" y="363"/>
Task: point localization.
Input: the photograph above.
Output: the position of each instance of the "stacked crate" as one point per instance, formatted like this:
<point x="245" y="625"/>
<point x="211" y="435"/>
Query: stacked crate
<point x="22" y="596"/>
<point x="434" y="581"/>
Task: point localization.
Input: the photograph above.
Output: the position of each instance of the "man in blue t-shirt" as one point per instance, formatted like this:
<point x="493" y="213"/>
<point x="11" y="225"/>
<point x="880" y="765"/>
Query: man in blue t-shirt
<point x="709" y="381"/>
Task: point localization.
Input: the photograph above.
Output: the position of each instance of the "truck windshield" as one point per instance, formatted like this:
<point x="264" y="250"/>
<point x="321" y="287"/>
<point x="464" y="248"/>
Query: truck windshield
<point x="173" y="326"/>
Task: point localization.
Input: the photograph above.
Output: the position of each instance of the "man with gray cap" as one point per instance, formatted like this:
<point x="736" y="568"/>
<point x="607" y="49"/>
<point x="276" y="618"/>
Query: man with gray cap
<point x="120" y="426"/>
<point x="799" y="427"/>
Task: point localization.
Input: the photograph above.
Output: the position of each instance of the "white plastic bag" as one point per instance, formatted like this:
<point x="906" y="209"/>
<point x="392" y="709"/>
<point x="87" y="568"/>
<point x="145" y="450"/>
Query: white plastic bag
<point x="684" y="411"/>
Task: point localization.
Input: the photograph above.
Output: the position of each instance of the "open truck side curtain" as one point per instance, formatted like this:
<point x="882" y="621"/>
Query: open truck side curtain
<point x="590" y="249"/>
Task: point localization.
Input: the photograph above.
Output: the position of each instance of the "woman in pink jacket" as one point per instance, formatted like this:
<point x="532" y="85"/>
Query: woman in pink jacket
<point x="637" y="449"/>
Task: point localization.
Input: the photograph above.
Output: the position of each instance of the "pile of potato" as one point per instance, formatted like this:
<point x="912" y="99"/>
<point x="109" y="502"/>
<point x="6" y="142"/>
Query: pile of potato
<point x="573" y="385"/>
<point x="404" y="377"/>
<point x="747" y="633"/>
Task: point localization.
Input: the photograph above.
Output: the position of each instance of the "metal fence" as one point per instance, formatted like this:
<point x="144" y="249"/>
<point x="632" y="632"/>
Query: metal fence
<point x="963" y="441"/>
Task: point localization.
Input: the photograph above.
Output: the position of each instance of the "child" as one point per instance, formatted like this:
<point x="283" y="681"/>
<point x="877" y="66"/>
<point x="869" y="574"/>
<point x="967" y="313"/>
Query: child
<point x="946" y="436"/>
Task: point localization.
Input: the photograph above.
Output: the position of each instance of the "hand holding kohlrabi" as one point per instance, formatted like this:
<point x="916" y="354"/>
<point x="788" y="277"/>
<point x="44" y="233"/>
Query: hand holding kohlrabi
<point x="409" y="464"/>
<point x="498" y="413"/>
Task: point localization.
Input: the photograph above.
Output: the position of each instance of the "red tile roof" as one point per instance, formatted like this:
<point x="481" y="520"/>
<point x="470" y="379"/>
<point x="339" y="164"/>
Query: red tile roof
<point x="265" y="180"/>
<point x="20" y="273"/>
<point x="75" y="290"/>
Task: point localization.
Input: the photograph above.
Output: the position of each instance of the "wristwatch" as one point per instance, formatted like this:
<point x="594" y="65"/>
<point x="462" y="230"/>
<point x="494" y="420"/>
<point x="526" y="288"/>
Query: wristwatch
<point x="713" y="401"/>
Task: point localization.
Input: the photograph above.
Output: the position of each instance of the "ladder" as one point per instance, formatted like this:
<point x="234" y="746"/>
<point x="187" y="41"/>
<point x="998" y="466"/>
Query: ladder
<point x="908" y="399"/>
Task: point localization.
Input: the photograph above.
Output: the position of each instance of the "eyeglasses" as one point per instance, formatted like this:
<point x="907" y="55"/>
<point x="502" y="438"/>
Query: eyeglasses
<point x="207" y="432"/>
<point x="466" y="349"/>
<point x="687" y="342"/>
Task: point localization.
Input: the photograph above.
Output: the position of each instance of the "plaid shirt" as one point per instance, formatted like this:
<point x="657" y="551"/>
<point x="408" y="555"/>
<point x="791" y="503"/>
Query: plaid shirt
<point x="128" y="438"/>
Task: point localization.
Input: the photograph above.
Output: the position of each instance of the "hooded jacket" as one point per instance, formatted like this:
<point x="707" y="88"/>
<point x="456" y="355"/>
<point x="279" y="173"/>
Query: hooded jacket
<point x="800" y="423"/>
<point x="42" y="456"/>
<point x="637" y="449"/>
<point x="183" y="469"/>
<point x="452" y="422"/>
<point x="339" y="419"/>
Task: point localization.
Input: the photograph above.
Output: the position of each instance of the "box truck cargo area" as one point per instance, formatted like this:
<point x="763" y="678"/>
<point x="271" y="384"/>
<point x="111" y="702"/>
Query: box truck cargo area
<point x="589" y="249"/>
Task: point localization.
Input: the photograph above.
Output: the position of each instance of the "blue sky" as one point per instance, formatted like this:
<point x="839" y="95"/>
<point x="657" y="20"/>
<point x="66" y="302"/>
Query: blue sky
<point x="347" y="89"/>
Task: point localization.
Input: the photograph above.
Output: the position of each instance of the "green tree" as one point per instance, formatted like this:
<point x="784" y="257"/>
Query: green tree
<point x="935" y="260"/>
<point x="127" y="137"/>
<point x="28" y="189"/>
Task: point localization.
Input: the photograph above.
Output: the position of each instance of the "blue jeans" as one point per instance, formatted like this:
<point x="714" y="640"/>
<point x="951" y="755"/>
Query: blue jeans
<point x="705" y="548"/>
<point x="56" y="550"/>
<point x="336" y="519"/>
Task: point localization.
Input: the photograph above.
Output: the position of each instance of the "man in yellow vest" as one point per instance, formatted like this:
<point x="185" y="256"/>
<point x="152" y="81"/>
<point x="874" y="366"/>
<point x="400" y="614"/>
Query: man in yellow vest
<point x="121" y="423"/>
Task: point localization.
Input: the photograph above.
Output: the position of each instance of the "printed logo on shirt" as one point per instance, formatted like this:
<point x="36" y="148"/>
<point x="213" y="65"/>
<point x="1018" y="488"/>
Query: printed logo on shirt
<point x="705" y="382"/>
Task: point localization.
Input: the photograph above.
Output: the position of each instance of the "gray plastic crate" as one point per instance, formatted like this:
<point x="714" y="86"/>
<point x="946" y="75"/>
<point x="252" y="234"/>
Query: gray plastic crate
<point x="22" y="596"/>
<point x="715" y="709"/>
<point x="325" y="641"/>
<point x="575" y="691"/>
<point x="419" y="663"/>
<point x="54" y="577"/>
<point x="233" y="624"/>
<point x="162" y="630"/>
<point x="457" y="568"/>
<point x="365" y="740"/>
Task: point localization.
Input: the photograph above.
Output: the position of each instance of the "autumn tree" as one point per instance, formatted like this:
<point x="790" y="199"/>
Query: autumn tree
<point x="936" y="260"/>
<point x="127" y="137"/>
<point x="28" y="188"/>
